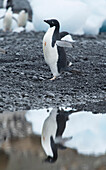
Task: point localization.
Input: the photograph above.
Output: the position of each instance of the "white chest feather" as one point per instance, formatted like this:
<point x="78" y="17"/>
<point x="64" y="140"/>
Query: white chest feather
<point x="49" y="129"/>
<point x="50" y="53"/>
<point x="7" y="22"/>
<point x="22" y="18"/>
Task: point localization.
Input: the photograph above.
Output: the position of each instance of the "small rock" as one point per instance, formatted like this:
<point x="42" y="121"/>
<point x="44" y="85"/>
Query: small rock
<point x="1" y="39"/>
<point x="50" y="94"/>
<point x="18" y="54"/>
<point x="35" y="78"/>
<point x="41" y="78"/>
<point x="22" y="74"/>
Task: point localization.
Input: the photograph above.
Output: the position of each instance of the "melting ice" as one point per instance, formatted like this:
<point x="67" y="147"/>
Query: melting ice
<point x="75" y="16"/>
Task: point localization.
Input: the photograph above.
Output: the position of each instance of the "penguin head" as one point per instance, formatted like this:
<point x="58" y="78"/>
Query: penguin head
<point x="52" y="23"/>
<point x="7" y="4"/>
<point x="9" y="11"/>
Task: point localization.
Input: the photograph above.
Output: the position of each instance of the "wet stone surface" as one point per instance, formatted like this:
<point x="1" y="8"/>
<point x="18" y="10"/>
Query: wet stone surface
<point x="24" y="75"/>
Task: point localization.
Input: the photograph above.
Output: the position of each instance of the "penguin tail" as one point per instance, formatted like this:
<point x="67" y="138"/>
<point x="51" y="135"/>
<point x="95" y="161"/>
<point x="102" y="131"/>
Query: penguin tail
<point x="69" y="63"/>
<point x="68" y="67"/>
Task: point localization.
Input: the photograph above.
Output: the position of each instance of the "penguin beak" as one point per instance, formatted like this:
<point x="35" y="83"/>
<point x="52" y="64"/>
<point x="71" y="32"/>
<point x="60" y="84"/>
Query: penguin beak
<point x="47" y="21"/>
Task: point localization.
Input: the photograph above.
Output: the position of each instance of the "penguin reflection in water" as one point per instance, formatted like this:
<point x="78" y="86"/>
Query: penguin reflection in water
<point x="53" y="48"/>
<point x="53" y="128"/>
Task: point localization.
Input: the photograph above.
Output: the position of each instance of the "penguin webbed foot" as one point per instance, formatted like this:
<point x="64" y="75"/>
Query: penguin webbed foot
<point x="50" y="159"/>
<point x="53" y="78"/>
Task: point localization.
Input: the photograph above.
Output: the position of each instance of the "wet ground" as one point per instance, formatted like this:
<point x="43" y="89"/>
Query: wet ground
<point x="21" y="149"/>
<point x="25" y="77"/>
<point x="27" y="154"/>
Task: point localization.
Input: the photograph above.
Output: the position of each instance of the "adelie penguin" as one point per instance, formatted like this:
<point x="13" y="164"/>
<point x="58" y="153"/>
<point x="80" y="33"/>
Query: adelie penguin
<point x="8" y="16"/>
<point x="22" y="18"/>
<point x="52" y="131"/>
<point x="7" y="20"/>
<point x="53" y="48"/>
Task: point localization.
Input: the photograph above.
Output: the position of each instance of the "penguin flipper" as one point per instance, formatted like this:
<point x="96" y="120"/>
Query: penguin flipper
<point x="66" y="36"/>
<point x="64" y="43"/>
<point x="59" y="146"/>
<point x="65" y="40"/>
<point x="61" y="141"/>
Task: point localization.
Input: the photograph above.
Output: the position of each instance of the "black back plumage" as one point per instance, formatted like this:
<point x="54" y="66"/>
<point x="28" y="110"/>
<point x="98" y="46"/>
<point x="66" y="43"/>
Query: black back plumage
<point x="63" y="34"/>
<point x="62" y="59"/>
<point x="61" y="119"/>
<point x="9" y="4"/>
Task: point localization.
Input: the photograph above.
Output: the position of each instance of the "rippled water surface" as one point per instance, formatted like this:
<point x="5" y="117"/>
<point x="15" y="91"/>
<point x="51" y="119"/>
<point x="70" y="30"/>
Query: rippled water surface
<point x="24" y="153"/>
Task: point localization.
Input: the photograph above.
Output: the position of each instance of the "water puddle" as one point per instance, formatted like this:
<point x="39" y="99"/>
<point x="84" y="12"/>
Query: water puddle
<point x="87" y="129"/>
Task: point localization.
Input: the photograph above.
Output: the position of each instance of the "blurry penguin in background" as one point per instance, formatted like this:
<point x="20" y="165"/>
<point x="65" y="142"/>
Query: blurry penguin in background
<point x="22" y="18"/>
<point x="7" y="18"/>
<point x="7" y="4"/>
<point x="53" y="48"/>
<point x="52" y="131"/>
<point x="7" y="21"/>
